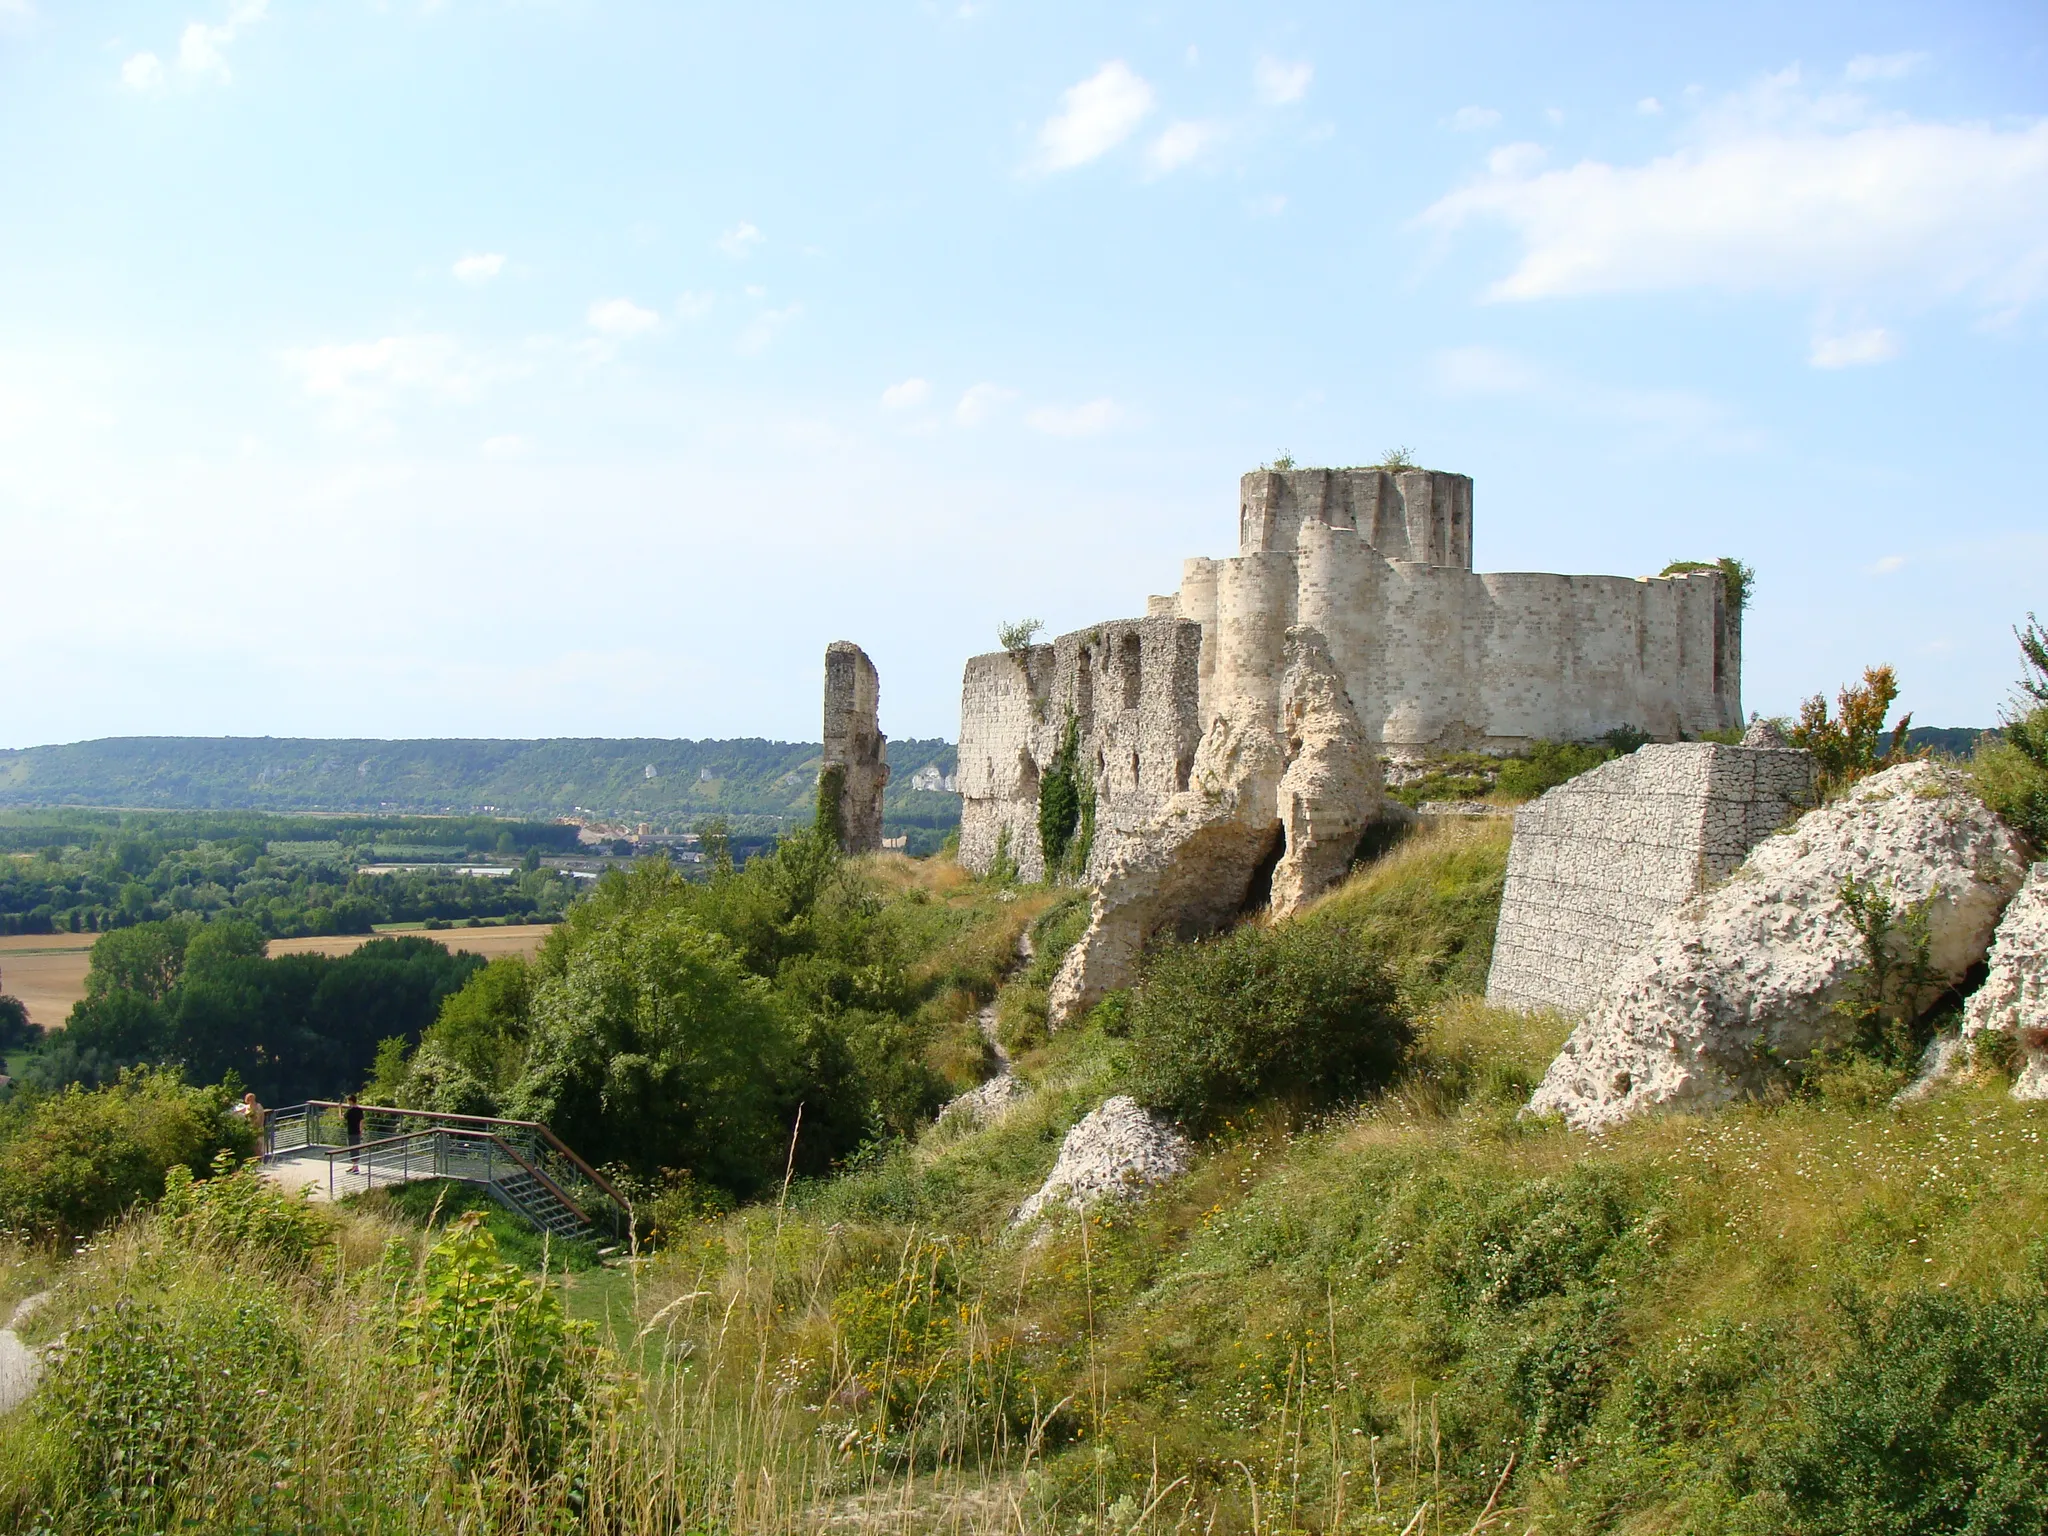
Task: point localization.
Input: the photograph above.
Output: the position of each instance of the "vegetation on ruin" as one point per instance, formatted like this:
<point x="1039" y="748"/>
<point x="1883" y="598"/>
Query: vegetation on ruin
<point x="2011" y="768"/>
<point x="1066" y="808"/>
<point x="1017" y="636"/>
<point x="1738" y="579"/>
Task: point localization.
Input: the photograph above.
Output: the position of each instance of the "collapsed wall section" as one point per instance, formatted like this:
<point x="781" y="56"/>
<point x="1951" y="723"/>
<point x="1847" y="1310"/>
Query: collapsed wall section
<point x="1598" y="860"/>
<point x="1128" y="691"/>
<point x="853" y="769"/>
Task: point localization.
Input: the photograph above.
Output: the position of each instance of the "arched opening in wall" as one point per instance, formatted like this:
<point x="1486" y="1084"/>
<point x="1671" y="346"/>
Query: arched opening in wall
<point x="1131" y="662"/>
<point x="1135" y="781"/>
<point x="1027" y="777"/>
<point x="1084" y="689"/>
<point x="1258" y="893"/>
<point x="1183" y="770"/>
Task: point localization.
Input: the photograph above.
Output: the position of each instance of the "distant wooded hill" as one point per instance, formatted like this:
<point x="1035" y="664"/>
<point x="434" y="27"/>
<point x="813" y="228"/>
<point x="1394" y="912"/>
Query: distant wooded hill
<point x="750" y="781"/>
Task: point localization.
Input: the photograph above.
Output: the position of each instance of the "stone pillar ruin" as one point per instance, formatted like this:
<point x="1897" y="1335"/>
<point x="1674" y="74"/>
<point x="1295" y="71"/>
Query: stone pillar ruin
<point x="854" y="770"/>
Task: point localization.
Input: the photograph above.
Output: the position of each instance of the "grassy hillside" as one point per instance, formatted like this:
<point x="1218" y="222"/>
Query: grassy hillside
<point x="1414" y="1314"/>
<point x="749" y="780"/>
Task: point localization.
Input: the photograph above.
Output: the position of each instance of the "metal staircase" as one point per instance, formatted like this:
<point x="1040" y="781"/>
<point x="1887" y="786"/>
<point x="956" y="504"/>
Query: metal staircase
<point x="523" y="1165"/>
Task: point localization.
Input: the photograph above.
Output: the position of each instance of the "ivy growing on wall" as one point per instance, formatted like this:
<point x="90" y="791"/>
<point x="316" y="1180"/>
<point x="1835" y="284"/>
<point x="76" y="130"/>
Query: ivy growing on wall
<point x="1061" y="790"/>
<point x="831" y="784"/>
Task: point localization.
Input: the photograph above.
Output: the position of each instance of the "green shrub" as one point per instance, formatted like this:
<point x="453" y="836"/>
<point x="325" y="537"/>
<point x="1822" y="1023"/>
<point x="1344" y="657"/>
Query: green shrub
<point x="148" y="1396"/>
<point x="1299" y="1011"/>
<point x="73" y="1161"/>
<point x="238" y="1212"/>
<point x="1549" y="764"/>
<point x="1935" y="1421"/>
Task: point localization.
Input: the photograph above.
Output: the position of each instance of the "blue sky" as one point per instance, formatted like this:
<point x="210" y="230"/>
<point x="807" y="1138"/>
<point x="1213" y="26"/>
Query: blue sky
<point x="482" y="368"/>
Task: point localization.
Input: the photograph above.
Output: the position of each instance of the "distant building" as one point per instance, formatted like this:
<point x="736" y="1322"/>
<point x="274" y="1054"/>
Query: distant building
<point x="896" y="844"/>
<point x="932" y="777"/>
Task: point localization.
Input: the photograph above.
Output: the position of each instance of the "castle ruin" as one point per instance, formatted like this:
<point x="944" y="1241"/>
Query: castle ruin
<point x="854" y="769"/>
<point x="1227" y="750"/>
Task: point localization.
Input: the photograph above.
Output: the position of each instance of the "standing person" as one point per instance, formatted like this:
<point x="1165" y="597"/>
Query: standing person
<point x="352" y="1117"/>
<point x="256" y="1115"/>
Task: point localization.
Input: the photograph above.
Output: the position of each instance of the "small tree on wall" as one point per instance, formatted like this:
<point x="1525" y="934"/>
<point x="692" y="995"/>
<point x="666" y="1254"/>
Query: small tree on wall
<point x="1016" y="636"/>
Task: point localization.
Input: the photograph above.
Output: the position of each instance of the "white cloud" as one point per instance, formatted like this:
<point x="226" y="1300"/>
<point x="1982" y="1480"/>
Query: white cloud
<point x="358" y="381"/>
<point x="1181" y="144"/>
<point x="1650" y="106"/>
<point x="1276" y="84"/>
<point x="740" y="239"/>
<point x="695" y="306"/>
<point x="1516" y="159"/>
<point x="199" y="50"/>
<point x="508" y="445"/>
<point x="1882" y="66"/>
<point x="1270" y="206"/>
<point x="756" y="291"/>
<point x="762" y="330"/>
<point x="1075" y="421"/>
<point x="621" y="317"/>
<point x="479" y="269"/>
<point x="980" y="403"/>
<point x="1782" y="192"/>
<point x="1854" y="349"/>
<point x="1473" y="119"/>
<point x="1886" y="566"/>
<point x="143" y="72"/>
<point x="899" y="397"/>
<point x="16" y="12"/>
<point x="1097" y="115"/>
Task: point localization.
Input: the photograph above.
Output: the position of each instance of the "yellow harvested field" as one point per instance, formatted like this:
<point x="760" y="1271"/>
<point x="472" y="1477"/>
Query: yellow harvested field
<point x="488" y="942"/>
<point x="47" y="970"/>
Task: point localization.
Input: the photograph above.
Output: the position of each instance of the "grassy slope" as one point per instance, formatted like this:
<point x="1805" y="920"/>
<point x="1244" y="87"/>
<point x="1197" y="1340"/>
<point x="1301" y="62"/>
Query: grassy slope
<point x="1341" y="1322"/>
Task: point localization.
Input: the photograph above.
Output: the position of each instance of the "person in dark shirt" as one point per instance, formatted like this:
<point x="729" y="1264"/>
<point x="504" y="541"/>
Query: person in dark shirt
<point x="352" y="1117"/>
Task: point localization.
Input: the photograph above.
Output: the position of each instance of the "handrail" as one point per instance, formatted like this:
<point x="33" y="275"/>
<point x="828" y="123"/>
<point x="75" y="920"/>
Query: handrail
<point x="553" y="1140"/>
<point x="357" y="1152"/>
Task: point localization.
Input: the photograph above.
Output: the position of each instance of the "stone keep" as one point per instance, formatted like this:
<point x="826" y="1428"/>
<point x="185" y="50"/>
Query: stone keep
<point x="1246" y="717"/>
<point x="853" y="768"/>
<point x="1598" y="860"/>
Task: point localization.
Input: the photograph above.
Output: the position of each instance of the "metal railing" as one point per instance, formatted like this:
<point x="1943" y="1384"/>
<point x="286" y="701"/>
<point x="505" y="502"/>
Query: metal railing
<point x="522" y="1162"/>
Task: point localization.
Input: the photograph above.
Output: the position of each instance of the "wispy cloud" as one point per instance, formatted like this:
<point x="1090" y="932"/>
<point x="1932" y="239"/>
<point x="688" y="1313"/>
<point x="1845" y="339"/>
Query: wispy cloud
<point x="901" y="397"/>
<point x="1854" y="349"/>
<point x="1869" y="67"/>
<point x="1886" y="566"/>
<point x="1077" y="420"/>
<point x="1095" y="116"/>
<point x="202" y="50"/>
<point x="1783" y="190"/>
<point x="1277" y="84"/>
<point x="359" y="382"/>
<point x="761" y="331"/>
<point x="480" y="268"/>
<point x="1182" y="144"/>
<point x="621" y="318"/>
<point x="1657" y="416"/>
<point x="980" y="402"/>
<point x="1473" y="119"/>
<point x="695" y="306"/>
<point x="740" y="239"/>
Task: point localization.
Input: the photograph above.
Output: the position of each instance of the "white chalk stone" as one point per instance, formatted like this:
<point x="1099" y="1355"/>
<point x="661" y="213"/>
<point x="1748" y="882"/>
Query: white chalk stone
<point x="1117" y="1152"/>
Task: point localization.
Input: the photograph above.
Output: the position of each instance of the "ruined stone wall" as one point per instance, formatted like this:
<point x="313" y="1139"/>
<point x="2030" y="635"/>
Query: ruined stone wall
<point x="853" y="767"/>
<point x="1597" y="861"/>
<point x="1129" y="686"/>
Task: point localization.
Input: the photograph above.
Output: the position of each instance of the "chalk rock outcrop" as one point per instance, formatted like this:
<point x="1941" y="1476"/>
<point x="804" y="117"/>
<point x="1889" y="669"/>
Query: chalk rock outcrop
<point x="1116" y="1152"/>
<point x="1189" y="874"/>
<point x="988" y="1103"/>
<point x="1331" y="790"/>
<point x="2014" y="997"/>
<point x="1751" y="970"/>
